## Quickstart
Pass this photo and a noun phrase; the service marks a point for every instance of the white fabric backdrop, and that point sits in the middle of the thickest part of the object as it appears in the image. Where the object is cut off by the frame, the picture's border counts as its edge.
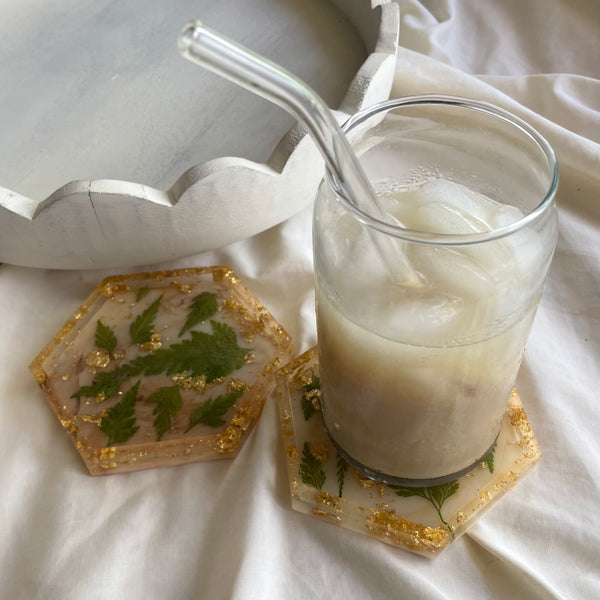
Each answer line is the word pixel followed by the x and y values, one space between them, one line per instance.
pixel 226 529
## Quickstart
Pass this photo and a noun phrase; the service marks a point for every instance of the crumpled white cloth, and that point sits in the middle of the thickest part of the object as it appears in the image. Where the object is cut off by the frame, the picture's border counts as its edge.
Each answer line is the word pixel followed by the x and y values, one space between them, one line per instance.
pixel 226 529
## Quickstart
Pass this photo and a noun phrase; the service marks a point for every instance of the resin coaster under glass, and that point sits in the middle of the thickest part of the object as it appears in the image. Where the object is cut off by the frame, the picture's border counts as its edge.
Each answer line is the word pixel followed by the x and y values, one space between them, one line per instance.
pixel 422 520
pixel 162 368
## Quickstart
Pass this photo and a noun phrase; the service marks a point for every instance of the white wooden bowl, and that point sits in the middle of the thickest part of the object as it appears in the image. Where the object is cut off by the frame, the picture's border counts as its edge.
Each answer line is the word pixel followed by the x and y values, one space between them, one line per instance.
pixel 100 222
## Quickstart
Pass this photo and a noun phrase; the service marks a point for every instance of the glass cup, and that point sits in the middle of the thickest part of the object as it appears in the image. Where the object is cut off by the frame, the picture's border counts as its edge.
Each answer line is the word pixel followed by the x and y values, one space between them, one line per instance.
pixel 423 313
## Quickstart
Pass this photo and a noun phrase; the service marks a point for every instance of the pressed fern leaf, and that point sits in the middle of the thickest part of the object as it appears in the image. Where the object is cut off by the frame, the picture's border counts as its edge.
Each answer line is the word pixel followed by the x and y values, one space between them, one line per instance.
pixel 489 459
pixel 105 338
pixel 168 404
pixel 202 307
pixel 106 384
pixel 435 494
pixel 312 391
pixel 311 470
pixel 341 468
pixel 211 411
pixel 119 424
pixel 142 328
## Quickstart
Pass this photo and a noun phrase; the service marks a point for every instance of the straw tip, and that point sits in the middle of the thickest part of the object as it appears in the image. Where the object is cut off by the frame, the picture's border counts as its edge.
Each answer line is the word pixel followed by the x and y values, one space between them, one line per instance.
pixel 188 35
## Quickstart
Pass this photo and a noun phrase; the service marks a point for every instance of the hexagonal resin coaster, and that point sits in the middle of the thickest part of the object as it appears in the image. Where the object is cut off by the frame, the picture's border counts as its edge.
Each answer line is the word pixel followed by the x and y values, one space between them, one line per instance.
pixel 422 520
pixel 162 368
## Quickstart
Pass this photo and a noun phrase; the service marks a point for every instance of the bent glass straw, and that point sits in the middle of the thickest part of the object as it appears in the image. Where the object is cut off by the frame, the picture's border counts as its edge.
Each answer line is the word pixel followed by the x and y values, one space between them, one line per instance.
pixel 255 73
pixel 240 65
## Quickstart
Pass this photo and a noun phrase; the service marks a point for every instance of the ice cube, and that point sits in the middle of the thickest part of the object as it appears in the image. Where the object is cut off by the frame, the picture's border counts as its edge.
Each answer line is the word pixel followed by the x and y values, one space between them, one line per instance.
pixel 477 209
pixel 418 317
pixel 451 270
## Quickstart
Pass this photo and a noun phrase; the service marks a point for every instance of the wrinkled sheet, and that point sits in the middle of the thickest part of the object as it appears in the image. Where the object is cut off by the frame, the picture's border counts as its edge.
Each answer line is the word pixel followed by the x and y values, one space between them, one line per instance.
pixel 226 529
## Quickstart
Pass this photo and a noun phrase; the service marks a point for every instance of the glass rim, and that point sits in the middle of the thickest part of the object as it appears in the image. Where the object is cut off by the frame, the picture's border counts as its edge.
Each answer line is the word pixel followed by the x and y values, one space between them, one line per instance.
pixel 428 237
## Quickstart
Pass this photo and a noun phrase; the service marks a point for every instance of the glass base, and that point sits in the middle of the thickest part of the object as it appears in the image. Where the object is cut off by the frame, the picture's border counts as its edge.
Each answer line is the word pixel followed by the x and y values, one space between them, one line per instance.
pixel 403 481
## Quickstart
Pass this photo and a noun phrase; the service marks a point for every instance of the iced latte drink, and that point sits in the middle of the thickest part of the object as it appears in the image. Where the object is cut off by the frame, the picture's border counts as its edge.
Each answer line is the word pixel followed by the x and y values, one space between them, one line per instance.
pixel 423 316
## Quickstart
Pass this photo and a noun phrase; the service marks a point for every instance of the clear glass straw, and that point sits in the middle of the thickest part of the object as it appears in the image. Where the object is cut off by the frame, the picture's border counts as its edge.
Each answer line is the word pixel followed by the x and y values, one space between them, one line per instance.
pixel 255 73
pixel 213 51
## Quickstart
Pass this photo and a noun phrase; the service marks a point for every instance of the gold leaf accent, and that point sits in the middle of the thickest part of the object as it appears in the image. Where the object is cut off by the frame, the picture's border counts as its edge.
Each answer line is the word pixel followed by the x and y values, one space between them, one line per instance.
pixel 184 288
pixel 328 500
pixel 326 516
pixel 320 452
pixel 97 359
pixel 111 288
pixel 236 385
pixel 385 523
pixel 185 382
pixel 154 344
pixel 292 453
pixel 228 441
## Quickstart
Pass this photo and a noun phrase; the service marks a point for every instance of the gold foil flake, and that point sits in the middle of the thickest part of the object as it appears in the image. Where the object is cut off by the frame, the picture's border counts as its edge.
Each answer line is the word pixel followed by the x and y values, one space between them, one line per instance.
pixel 460 516
pixel 66 377
pixel 228 441
pixel 530 454
pixel 154 344
pixel 184 288
pixel 320 452
pixel 314 397
pixel 249 325
pixel 328 500
pixel 112 288
pixel 237 385
pixel 242 419
pixel 101 397
pixel 292 453
pixel 506 483
pixel 419 537
pixel 249 358
pixel 326 516
pixel 221 273
pixel 96 418
pixel 186 382
pixel 236 308
pixel 97 359
pixel 69 424
pixel 40 376
pixel 108 453
pixel 518 418
pixel 363 481
pixel 249 332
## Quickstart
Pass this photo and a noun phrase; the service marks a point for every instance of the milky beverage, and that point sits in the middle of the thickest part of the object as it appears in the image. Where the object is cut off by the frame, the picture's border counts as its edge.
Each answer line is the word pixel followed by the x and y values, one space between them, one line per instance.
pixel 417 370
